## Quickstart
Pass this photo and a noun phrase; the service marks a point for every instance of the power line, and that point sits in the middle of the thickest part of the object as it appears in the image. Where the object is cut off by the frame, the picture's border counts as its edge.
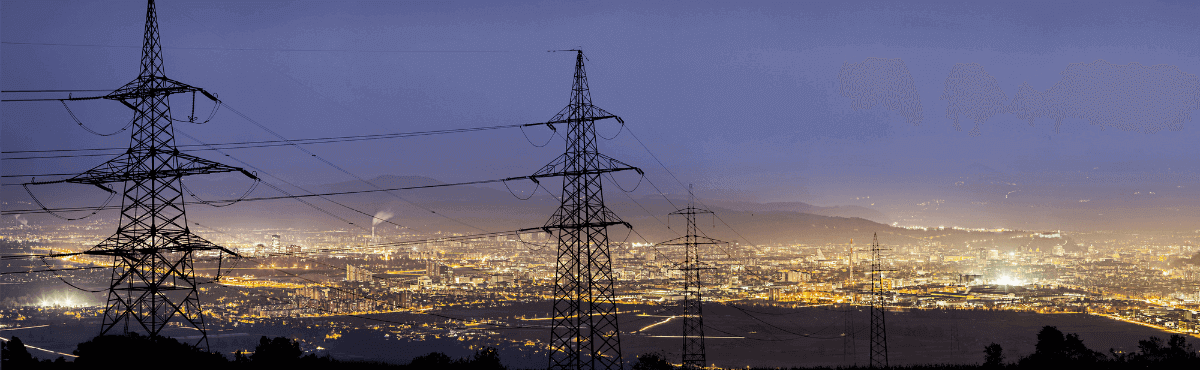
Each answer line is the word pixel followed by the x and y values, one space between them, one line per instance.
pixel 423 241
pixel 268 143
pixel 45 91
pixel 39 175
pixel 806 335
pixel 287 196
pixel 664 167
pixel 343 170
pixel 271 49
pixel 51 270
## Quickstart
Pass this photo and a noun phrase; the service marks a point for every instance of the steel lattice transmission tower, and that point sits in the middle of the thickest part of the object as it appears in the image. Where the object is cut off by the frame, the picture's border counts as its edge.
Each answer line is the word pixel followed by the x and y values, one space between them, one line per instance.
pixel 153 280
pixel 848 337
pixel 879 352
pixel 584 332
pixel 692 303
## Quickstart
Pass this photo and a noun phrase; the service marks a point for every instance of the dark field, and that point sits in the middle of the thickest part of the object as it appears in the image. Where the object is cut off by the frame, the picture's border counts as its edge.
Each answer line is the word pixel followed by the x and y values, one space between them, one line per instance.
pixel 917 337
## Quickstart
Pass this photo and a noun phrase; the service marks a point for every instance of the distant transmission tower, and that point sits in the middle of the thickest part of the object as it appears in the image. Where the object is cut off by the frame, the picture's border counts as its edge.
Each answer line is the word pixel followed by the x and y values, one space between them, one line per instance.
pixel 692 304
pixel 153 281
pixel 848 338
pixel 584 331
pixel 879 353
pixel 849 352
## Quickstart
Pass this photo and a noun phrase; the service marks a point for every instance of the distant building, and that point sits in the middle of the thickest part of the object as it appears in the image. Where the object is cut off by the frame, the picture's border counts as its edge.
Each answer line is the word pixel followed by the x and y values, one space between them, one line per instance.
pixel 774 293
pixel 358 274
pixel 434 268
pixel 796 276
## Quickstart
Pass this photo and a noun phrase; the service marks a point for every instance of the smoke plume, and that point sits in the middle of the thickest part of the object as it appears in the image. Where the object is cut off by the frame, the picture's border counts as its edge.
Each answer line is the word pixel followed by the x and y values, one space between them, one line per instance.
pixel 381 217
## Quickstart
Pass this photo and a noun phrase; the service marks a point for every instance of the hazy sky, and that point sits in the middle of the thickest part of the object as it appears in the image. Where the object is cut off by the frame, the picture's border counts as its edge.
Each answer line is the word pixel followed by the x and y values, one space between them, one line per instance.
pixel 743 99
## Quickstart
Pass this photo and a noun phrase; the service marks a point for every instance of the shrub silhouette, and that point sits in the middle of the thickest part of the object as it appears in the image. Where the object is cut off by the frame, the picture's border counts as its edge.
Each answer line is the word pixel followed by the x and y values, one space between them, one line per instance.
pixel 276 351
pixel 993 356
pixel 1054 349
pixel 652 361
pixel 14 355
pixel 106 351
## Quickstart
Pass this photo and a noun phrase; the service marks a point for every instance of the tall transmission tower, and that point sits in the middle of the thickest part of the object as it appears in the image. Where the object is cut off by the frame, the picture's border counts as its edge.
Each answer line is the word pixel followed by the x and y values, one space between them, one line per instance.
pixel 692 303
pixel 584 332
pixel 879 353
pixel 849 350
pixel 153 279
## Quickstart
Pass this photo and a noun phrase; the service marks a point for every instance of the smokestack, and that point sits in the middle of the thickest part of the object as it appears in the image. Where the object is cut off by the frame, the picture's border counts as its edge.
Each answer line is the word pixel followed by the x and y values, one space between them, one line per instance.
pixel 380 216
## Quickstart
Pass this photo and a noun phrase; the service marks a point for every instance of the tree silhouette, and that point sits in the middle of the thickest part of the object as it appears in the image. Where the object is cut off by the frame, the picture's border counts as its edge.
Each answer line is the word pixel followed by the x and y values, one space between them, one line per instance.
pixel 652 361
pixel 993 356
pixel 1054 349
pixel 14 355
pixel 1153 353
pixel 276 351
pixel 110 351
pixel 432 360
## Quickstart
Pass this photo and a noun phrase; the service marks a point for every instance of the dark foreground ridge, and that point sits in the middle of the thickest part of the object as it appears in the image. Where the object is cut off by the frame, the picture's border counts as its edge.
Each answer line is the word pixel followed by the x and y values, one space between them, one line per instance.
pixel 1053 350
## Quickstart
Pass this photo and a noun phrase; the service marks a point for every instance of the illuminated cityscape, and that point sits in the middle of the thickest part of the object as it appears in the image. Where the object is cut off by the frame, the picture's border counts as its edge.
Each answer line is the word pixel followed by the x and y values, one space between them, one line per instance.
pixel 339 273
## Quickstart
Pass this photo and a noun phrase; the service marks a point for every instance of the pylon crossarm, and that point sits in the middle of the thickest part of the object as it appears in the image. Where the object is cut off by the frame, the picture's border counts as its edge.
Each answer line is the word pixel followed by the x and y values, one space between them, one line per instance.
pixel 125 168
pixel 557 119
pixel 587 224
pixel 588 112
pixel 584 172
pixel 113 246
pixel 143 87
pixel 592 118
pixel 690 211
pixel 204 166
pixel 138 89
pixel 555 167
pixel 680 241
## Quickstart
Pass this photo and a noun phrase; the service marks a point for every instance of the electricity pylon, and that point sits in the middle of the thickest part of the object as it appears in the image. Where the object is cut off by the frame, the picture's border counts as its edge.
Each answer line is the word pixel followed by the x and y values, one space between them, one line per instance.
pixel 848 333
pixel 584 332
pixel 879 353
pixel 153 280
pixel 849 354
pixel 692 303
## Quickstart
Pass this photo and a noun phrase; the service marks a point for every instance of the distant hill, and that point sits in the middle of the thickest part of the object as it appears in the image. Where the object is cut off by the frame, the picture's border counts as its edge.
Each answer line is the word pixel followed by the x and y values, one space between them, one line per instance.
pixel 471 209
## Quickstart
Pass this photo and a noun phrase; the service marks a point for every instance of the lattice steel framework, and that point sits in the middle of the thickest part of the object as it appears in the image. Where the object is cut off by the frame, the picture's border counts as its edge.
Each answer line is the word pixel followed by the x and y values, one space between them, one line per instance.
pixel 153 280
pixel 584 333
pixel 849 352
pixel 691 306
pixel 849 347
pixel 879 352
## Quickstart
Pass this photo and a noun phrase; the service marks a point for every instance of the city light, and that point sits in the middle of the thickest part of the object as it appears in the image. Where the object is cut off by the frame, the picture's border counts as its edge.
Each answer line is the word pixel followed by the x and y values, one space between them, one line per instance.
pixel 61 299
pixel 1009 280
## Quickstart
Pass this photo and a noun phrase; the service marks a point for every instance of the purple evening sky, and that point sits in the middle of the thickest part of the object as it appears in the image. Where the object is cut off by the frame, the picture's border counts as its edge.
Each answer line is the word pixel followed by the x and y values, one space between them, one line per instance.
pixel 743 99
